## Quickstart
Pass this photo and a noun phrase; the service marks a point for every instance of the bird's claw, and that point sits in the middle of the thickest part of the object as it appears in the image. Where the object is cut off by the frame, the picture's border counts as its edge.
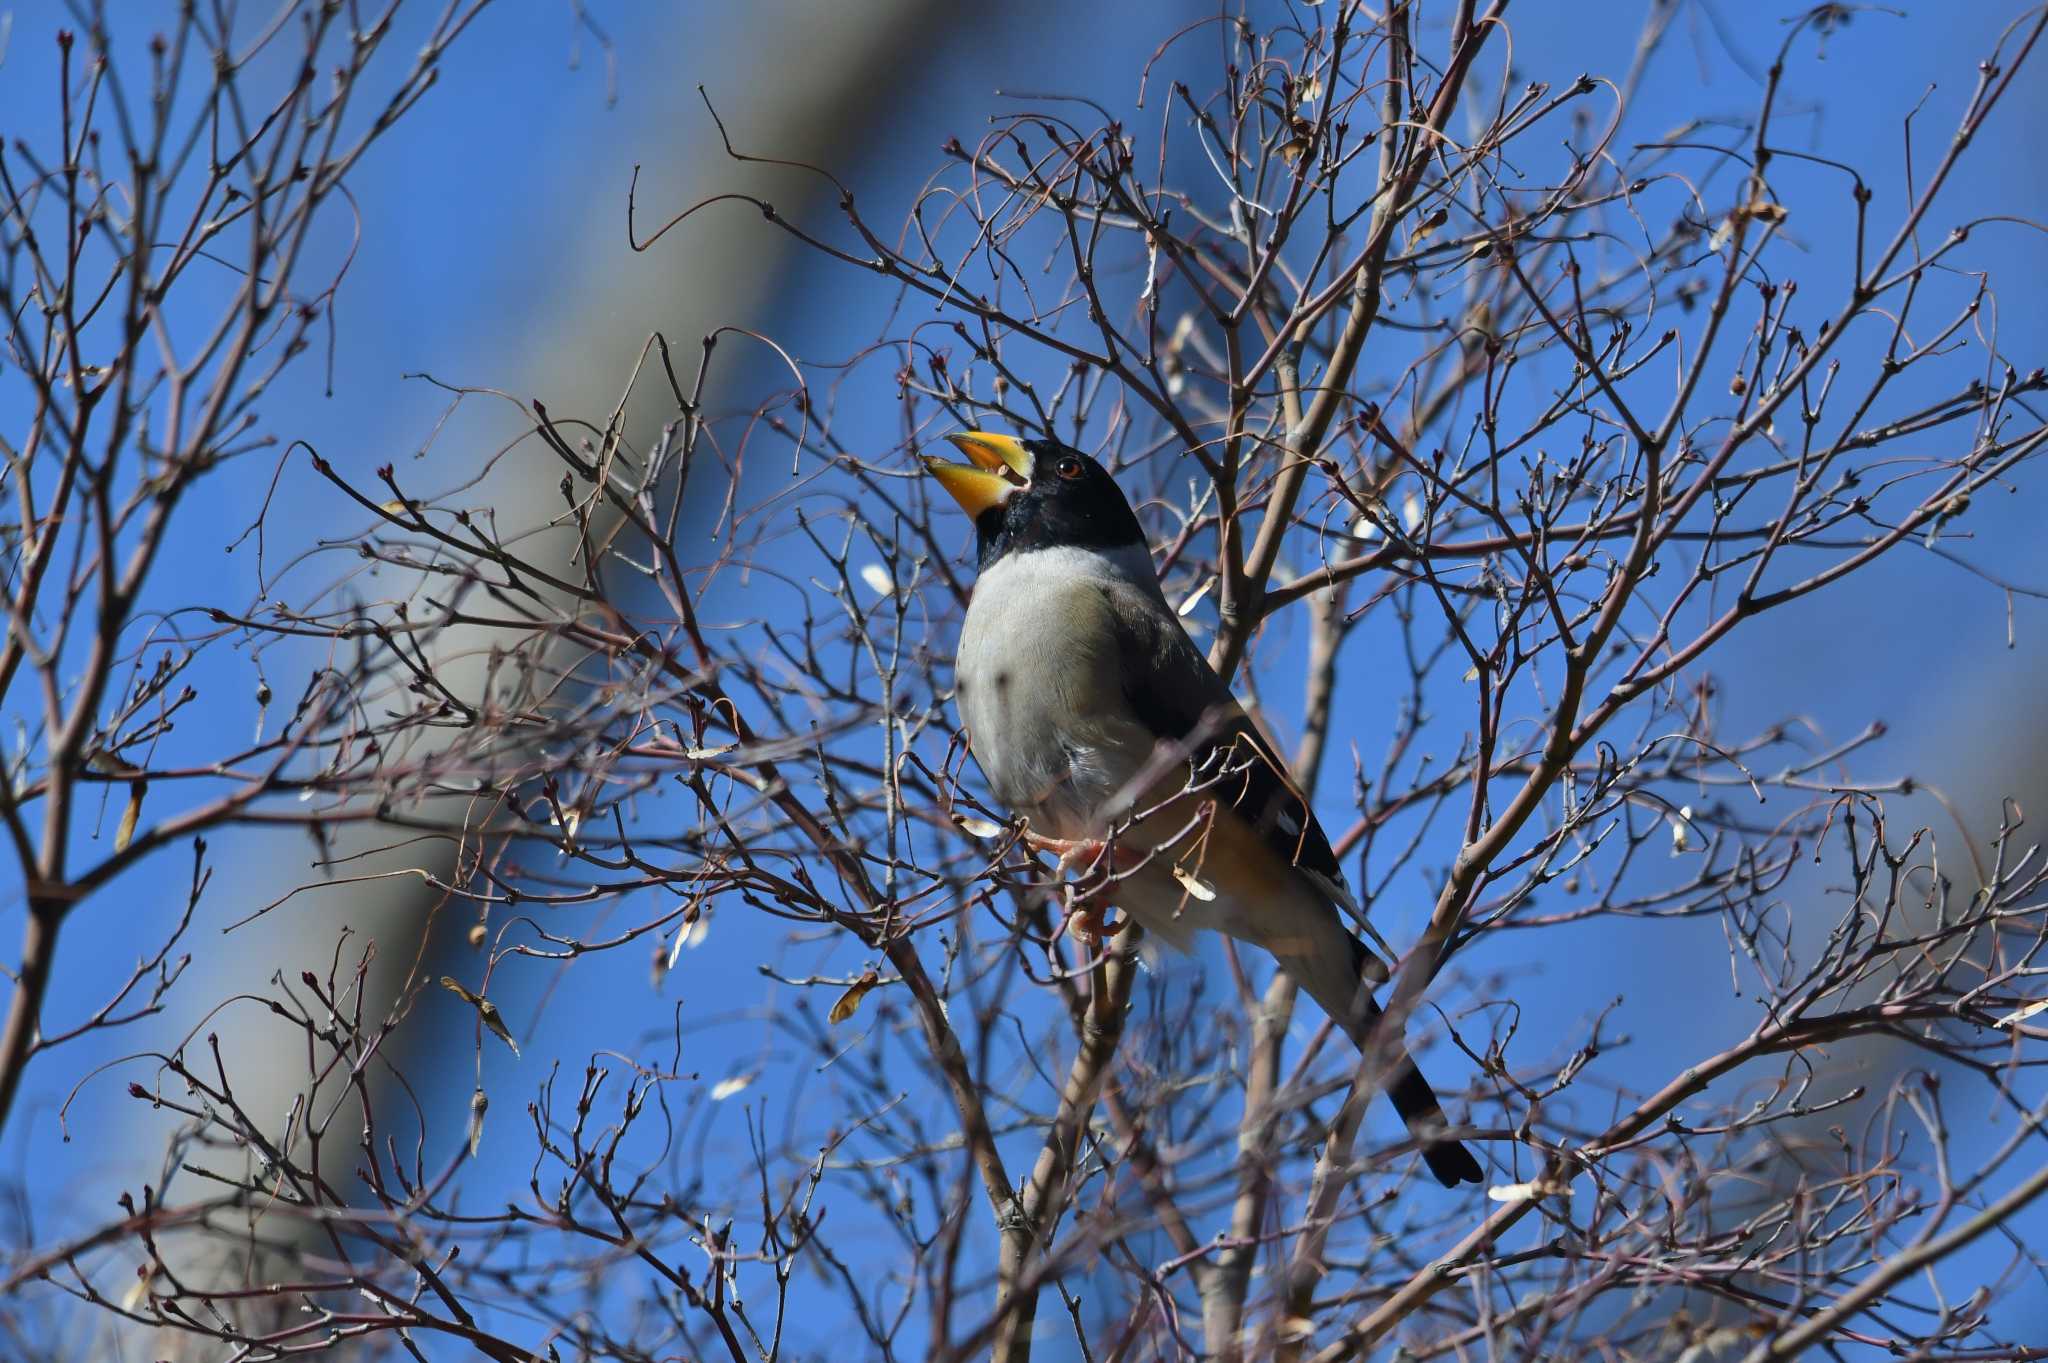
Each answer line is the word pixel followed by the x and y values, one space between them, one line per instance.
pixel 1085 920
pixel 1072 852
pixel 1085 909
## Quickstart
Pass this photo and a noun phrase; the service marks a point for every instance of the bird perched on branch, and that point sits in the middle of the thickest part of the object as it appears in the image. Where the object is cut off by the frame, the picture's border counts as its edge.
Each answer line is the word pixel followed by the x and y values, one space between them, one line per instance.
pixel 1096 718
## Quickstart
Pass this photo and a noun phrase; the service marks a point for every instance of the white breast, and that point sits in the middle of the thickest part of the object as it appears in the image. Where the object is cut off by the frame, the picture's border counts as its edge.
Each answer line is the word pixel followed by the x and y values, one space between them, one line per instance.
pixel 1040 686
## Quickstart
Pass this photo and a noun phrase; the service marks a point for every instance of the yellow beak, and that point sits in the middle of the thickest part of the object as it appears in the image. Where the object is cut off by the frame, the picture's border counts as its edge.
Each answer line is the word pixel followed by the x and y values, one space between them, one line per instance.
pixel 1000 466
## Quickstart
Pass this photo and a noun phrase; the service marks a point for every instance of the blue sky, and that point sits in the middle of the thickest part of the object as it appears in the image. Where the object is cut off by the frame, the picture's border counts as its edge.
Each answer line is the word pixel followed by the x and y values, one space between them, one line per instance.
pixel 494 253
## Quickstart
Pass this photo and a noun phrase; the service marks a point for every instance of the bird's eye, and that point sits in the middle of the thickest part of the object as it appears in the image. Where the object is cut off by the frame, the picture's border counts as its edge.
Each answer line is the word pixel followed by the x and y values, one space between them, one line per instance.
pixel 1069 467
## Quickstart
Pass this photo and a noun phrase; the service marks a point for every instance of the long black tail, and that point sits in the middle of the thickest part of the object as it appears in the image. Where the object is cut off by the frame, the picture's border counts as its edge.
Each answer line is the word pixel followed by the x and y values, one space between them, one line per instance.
pixel 1416 1101
pixel 1345 993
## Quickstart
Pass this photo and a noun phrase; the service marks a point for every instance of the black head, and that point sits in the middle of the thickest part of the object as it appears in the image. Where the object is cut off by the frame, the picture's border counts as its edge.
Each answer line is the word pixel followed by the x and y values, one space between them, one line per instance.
pixel 1036 494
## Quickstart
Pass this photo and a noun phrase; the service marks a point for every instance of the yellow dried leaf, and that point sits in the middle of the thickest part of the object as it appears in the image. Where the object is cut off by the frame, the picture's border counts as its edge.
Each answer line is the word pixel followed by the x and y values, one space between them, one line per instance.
pixel 1436 219
pixel 124 833
pixel 849 1002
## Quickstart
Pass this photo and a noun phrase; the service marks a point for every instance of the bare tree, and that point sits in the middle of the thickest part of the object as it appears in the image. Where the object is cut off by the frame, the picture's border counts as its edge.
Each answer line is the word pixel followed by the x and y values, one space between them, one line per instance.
pixel 1452 407
pixel 157 273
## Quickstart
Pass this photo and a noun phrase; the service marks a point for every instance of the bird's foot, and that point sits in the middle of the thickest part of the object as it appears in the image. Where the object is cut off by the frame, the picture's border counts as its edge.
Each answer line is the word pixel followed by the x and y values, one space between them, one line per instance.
pixel 1085 919
pixel 1072 852
pixel 1085 908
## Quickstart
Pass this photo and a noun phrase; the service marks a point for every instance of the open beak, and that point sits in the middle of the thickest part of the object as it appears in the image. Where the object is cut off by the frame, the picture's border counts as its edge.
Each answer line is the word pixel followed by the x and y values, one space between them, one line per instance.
pixel 1000 466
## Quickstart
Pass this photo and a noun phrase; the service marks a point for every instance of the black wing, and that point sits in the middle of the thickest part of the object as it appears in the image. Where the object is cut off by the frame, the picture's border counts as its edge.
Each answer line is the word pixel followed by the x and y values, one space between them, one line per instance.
pixel 1172 691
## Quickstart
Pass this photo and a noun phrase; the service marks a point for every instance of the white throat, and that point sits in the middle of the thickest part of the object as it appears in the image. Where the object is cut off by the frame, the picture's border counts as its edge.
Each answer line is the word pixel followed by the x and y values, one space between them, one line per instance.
pixel 1019 568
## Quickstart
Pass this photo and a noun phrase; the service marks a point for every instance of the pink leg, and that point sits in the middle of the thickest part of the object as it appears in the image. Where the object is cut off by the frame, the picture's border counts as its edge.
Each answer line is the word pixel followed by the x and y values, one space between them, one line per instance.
pixel 1085 908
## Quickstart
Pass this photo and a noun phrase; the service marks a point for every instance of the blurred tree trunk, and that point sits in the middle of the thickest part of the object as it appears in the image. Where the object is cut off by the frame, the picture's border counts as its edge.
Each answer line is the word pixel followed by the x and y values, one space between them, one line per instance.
pixel 826 98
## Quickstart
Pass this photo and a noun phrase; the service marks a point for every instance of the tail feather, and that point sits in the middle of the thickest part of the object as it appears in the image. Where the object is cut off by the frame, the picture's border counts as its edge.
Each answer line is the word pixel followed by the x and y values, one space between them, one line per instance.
pixel 1416 1101
pixel 1345 993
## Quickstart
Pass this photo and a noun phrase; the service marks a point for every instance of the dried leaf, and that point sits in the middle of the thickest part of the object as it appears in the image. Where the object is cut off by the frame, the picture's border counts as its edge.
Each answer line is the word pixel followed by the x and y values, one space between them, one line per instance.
pixel 878 579
pixel 706 754
pixel 1423 229
pixel 110 765
pixel 1763 210
pixel 849 1002
pixel 977 828
pixel 1681 824
pixel 478 1104
pixel 1195 597
pixel 1411 512
pixel 727 1087
pixel 2022 1014
pixel 125 832
pixel 1293 149
pixel 1196 887
pixel 1523 1192
pixel 486 1010
pixel 145 1274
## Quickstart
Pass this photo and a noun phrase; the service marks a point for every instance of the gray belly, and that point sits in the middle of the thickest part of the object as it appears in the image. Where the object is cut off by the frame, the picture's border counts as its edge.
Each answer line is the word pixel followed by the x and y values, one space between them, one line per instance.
pixel 1039 691
pixel 1030 741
